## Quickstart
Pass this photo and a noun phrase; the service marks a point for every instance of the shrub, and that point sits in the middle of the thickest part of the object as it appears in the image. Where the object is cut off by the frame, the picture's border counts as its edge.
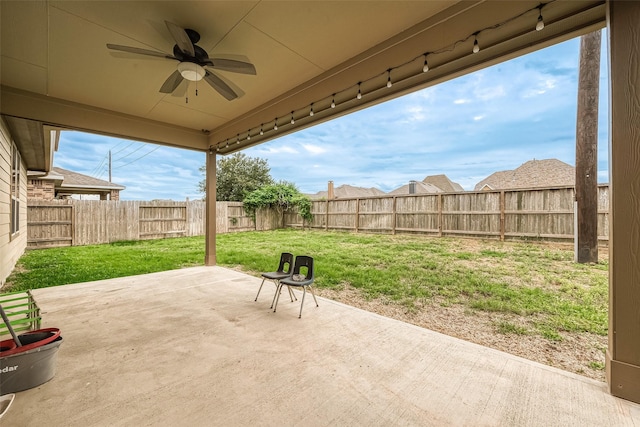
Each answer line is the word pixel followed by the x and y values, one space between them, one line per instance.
pixel 282 196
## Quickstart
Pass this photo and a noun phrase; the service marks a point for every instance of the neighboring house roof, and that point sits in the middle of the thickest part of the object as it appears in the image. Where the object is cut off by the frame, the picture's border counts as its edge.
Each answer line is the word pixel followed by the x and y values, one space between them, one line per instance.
pixel 421 188
pixel 495 181
pixel 534 173
pixel 77 180
pixel 443 183
pixel 348 192
pixel 66 180
pixel 431 184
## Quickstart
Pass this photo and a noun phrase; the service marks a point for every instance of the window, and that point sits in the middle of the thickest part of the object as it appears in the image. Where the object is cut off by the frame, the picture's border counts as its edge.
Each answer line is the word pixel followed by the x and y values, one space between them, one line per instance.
pixel 15 190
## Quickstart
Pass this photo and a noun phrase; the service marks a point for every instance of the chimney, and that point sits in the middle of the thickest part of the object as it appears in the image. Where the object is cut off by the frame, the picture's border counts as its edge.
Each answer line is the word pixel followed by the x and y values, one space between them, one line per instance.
pixel 330 195
pixel 412 187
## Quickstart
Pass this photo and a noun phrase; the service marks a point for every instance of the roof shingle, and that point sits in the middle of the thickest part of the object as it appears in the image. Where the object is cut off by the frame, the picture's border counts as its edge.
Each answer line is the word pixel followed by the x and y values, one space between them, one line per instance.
pixel 73 180
pixel 534 173
pixel 348 192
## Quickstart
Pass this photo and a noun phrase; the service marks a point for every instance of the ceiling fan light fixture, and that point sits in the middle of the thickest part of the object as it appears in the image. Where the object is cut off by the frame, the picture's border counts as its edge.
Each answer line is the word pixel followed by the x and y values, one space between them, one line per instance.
pixel 191 71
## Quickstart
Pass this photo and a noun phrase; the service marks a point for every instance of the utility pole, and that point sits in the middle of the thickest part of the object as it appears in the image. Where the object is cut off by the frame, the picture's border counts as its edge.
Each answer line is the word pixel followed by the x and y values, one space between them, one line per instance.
pixel 586 234
pixel 109 165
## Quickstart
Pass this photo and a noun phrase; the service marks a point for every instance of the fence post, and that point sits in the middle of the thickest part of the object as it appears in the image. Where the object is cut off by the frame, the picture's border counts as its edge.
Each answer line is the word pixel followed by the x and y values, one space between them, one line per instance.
pixel 502 216
pixel 73 225
pixel 440 215
pixel 326 214
pixel 357 222
pixel 394 220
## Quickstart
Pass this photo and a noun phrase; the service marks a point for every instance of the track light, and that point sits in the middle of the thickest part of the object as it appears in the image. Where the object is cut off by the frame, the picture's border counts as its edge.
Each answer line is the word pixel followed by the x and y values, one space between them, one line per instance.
pixel 359 95
pixel 311 110
pixel 249 134
pixel 292 120
pixel 425 67
pixel 389 84
pixel 275 124
pixel 333 101
pixel 261 131
pixel 476 47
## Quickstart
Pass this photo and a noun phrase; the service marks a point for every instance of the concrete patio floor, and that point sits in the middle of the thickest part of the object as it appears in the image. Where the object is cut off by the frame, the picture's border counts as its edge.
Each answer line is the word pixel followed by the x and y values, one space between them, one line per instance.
pixel 191 348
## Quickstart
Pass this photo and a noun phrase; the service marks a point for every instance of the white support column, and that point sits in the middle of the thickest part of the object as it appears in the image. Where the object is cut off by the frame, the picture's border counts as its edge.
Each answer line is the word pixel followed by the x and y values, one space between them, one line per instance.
pixel 623 353
pixel 210 224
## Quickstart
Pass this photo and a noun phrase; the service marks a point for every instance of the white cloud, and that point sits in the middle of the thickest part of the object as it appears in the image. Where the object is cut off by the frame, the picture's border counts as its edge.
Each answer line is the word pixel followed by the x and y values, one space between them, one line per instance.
pixel 314 149
pixel 490 92
pixel 414 113
pixel 283 149
pixel 542 86
pixel 183 173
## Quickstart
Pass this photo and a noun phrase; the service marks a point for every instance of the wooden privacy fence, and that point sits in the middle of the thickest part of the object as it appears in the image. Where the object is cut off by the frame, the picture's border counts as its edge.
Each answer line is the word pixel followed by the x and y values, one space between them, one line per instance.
pixel 54 223
pixel 541 214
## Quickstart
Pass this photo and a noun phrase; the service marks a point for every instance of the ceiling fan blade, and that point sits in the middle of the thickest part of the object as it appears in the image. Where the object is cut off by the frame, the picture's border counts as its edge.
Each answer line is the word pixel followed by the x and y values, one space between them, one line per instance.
pixel 232 65
pixel 172 82
pixel 222 88
pixel 182 39
pixel 138 51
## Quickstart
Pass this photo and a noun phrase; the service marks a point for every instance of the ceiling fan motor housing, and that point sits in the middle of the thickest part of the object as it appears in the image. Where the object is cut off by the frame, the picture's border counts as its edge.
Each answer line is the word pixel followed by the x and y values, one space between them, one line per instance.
pixel 201 56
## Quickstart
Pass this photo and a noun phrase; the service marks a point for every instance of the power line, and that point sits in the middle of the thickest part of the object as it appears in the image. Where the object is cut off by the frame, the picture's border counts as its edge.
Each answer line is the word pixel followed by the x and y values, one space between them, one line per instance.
pixel 130 153
pixel 118 144
pixel 124 147
pixel 133 161
pixel 97 168
pixel 101 172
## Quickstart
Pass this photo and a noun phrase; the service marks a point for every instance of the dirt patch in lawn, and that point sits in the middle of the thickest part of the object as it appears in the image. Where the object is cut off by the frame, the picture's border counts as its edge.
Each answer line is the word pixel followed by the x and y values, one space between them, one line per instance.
pixel 582 353
pixel 579 352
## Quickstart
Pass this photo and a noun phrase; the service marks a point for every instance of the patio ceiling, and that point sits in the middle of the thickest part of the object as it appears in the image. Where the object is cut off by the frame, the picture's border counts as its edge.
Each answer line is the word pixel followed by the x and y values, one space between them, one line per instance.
pixel 57 71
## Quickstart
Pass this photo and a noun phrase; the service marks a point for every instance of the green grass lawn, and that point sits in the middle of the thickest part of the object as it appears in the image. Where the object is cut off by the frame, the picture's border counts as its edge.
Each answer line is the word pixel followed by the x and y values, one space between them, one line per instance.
pixel 538 282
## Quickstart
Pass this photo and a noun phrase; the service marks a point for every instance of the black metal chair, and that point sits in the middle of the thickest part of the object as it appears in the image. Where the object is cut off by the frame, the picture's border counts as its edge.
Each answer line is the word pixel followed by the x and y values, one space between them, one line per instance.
pixel 284 270
pixel 298 279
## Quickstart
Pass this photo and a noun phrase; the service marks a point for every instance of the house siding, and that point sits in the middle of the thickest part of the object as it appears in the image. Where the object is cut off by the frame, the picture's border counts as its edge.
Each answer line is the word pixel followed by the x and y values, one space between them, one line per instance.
pixel 11 247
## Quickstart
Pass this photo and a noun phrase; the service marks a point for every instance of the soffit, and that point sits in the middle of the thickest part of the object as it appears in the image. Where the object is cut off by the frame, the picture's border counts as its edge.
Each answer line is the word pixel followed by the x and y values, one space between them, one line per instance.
pixel 32 142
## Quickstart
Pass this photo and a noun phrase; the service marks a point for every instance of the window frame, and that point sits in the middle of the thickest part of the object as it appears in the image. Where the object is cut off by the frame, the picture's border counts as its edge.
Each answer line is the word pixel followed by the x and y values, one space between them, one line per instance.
pixel 14 191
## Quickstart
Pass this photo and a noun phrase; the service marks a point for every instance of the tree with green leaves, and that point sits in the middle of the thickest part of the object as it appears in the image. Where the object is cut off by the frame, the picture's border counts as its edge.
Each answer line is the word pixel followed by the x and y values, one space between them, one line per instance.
pixel 237 176
pixel 281 196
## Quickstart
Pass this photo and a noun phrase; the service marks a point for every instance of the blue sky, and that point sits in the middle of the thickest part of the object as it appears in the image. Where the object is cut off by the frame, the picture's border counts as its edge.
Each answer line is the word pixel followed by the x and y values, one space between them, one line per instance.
pixel 494 119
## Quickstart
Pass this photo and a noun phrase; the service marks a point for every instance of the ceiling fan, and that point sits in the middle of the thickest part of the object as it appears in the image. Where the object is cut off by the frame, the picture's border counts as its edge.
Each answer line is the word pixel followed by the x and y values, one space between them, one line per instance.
pixel 192 60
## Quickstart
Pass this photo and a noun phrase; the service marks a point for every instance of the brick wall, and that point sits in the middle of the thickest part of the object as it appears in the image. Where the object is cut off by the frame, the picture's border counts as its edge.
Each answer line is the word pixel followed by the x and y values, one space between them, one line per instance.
pixel 40 189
